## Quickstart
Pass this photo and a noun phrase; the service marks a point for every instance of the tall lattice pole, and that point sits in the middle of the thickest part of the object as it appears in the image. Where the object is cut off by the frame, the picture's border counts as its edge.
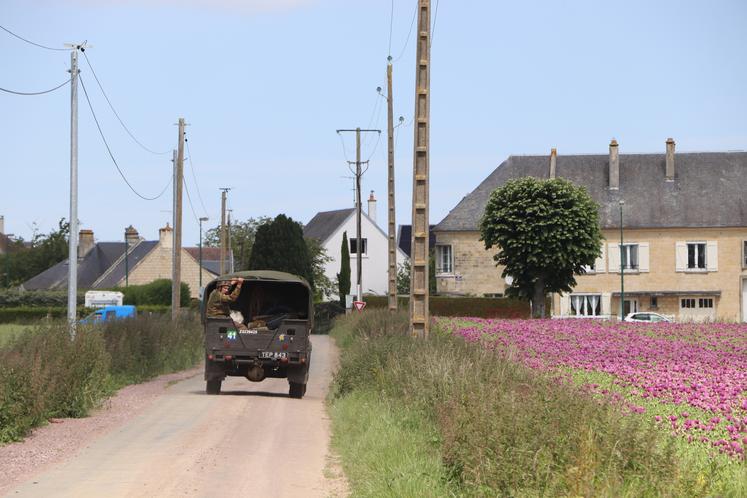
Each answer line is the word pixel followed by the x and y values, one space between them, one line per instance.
pixel 419 313
pixel 392 217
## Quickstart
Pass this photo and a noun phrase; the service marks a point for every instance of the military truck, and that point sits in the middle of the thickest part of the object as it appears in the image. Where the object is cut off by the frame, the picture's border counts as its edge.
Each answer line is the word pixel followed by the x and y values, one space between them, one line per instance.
pixel 266 333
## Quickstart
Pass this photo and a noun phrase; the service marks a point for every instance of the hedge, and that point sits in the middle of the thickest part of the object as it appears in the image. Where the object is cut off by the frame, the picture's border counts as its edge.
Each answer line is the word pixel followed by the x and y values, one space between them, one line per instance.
pixel 13 298
pixel 483 307
pixel 27 314
pixel 157 292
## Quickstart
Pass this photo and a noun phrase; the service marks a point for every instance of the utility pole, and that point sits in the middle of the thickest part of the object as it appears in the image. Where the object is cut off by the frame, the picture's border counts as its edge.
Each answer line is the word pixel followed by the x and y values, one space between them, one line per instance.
pixel 419 291
pixel 176 280
pixel 390 180
pixel 204 218
pixel 224 192
pixel 72 274
pixel 359 236
pixel 228 245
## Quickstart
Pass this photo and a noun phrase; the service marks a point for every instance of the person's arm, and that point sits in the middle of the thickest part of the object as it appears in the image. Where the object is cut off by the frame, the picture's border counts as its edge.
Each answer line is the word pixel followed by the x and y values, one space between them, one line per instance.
pixel 236 291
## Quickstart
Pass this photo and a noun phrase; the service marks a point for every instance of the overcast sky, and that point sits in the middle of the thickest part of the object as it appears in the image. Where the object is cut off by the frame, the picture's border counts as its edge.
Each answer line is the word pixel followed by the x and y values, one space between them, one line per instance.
pixel 264 84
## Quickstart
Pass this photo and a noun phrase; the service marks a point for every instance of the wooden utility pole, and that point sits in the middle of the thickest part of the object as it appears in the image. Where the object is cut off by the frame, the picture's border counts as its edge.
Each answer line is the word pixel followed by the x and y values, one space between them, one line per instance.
pixel 224 192
pixel 228 244
pixel 176 278
pixel 392 217
pixel 419 292
pixel 359 237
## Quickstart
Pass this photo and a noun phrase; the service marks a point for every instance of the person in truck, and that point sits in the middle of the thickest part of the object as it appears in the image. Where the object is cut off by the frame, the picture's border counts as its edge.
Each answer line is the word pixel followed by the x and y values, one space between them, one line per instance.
pixel 220 299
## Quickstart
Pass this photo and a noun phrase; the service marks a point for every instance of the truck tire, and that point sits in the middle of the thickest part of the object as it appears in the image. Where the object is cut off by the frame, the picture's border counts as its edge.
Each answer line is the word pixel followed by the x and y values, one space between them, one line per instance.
pixel 296 390
pixel 213 386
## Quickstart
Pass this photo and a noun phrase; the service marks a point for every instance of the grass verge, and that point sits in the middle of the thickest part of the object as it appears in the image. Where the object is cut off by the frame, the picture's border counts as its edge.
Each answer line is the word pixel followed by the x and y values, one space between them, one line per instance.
pixel 493 426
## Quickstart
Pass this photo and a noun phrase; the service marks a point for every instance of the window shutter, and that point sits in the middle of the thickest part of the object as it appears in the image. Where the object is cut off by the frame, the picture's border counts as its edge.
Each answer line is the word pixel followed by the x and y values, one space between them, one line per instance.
pixel 614 258
pixel 643 257
pixel 601 261
pixel 712 255
pixel 680 256
pixel 606 303
pixel 565 305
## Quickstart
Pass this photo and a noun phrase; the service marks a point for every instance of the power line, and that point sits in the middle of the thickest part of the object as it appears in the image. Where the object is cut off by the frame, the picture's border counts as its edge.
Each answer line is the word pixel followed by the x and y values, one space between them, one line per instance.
pixel 98 82
pixel 30 42
pixel 108 149
pixel 435 18
pixel 35 93
pixel 189 198
pixel 409 34
pixel 194 178
pixel 391 27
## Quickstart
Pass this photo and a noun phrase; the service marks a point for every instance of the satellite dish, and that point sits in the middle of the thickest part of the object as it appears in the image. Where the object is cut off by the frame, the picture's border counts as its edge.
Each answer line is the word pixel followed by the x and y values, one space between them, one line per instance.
pixel 509 280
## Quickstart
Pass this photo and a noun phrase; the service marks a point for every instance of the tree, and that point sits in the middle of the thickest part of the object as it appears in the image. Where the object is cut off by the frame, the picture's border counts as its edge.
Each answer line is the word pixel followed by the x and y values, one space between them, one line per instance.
pixel 25 261
pixel 546 231
pixel 319 259
pixel 279 245
pixel 343 278
pixel 404 272
pixel 243 234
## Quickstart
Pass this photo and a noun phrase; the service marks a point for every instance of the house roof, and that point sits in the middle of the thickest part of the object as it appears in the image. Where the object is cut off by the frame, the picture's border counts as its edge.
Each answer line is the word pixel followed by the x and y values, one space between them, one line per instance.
pixel 90 268
pixel 404 238
pixel 708 190
pixel 324 224
pixel 115 272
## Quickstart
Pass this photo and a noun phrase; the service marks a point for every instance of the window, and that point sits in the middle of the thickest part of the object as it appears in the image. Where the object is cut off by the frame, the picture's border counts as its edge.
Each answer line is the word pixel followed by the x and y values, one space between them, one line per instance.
pixel 354 246
pixel 744 254
pixel 586 305
pixel 444 260
pixel 696 256
pixel 688 303
pixel 629 256
pixel 705 302
pixel 654 302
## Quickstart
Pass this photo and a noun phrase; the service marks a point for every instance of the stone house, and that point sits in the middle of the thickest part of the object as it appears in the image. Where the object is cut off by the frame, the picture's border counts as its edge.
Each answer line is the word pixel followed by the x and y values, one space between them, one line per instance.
pixel 328 226
pixel 102 265
pixel 684 250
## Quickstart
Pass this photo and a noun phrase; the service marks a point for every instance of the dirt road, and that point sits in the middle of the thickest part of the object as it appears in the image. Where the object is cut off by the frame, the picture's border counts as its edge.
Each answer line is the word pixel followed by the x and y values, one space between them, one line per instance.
pixel 252 440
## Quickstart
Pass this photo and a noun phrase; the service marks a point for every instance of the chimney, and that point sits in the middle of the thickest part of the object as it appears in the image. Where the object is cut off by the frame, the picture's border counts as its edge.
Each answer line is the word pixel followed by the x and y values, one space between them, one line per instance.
pixel 614 166
pixel 85 242
pixel 131 236
pixel 670 159
pixel 166 237
pixel 553 162
pixel 372 207
pixel 2 225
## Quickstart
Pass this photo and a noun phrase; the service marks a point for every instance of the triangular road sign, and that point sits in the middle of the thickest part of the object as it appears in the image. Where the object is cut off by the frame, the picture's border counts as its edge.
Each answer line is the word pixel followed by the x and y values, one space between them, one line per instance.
pixel 359 305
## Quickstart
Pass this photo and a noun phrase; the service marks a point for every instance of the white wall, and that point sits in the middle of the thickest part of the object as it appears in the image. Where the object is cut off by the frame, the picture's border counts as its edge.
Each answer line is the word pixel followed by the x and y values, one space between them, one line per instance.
pixel 375 262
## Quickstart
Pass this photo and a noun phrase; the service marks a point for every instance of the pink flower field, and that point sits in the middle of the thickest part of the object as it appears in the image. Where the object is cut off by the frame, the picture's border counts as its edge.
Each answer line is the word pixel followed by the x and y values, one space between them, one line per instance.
pixel 691 379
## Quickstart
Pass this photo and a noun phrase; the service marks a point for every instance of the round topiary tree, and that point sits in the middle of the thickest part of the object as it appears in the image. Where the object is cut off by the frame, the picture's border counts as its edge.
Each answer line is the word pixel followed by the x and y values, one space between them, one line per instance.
pixel 546 231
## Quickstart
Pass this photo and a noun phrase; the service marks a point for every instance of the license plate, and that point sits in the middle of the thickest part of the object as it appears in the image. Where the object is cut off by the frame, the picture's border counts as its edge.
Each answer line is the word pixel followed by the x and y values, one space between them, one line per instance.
pixel 272 355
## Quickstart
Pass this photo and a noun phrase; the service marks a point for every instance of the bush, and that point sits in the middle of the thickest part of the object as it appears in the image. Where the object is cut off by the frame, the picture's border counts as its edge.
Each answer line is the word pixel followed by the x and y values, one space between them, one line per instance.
pixel 35 314
pixel 481 307
pixel 43 374
pixel 13 298
pixel 157 292
pixel 504 429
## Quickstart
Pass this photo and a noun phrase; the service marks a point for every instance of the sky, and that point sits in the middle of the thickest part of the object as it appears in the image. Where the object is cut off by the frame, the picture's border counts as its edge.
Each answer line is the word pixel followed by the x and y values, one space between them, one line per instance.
pixel 264 84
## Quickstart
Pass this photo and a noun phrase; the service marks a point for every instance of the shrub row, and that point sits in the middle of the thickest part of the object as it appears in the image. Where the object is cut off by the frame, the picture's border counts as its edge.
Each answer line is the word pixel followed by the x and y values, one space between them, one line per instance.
pixel 157 292
pixel 506 430
pixel 43 374
pixel 13 298
pixel 482 307
pixel 32 315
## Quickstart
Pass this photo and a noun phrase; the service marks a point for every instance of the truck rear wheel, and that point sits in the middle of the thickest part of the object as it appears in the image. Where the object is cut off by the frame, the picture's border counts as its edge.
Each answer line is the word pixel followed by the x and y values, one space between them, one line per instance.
pixel 296 390
pixel 213 386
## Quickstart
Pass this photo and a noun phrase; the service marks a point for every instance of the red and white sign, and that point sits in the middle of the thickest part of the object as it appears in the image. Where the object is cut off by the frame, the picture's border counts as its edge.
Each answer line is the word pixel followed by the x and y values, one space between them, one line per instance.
pixel 359 305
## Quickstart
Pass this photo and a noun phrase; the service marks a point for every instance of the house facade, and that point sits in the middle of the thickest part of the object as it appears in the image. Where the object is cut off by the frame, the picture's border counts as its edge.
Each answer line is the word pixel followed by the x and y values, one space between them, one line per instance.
pixel 103 265
pixel 329 226
pixel 684 234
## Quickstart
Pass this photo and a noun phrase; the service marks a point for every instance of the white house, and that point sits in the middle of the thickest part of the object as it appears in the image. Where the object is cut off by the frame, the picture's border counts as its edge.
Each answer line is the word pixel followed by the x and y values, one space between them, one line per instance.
pixel 328 227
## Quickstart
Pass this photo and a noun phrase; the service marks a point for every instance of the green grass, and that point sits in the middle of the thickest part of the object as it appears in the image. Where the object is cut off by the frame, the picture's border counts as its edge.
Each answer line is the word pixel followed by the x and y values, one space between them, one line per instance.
pixel 9 332
pixel 387 450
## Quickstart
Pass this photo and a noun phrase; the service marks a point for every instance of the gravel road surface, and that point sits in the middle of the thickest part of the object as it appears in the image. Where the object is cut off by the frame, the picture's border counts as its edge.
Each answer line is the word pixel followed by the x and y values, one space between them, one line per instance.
pixel 252 440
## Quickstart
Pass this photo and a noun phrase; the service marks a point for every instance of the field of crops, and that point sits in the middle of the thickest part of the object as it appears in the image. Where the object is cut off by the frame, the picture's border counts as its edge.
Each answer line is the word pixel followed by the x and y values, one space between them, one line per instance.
pixel 689 379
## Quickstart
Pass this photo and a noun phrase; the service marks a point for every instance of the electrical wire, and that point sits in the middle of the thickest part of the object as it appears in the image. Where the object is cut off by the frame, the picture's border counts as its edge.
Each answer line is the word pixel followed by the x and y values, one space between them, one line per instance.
pixel 111 106
pixel 391 27
pixel 108 149
pixel 32 43
pixel 194 177
pixel 189 198
pixel 435 18
pixel 409 34
pixel 376 146
pixel 36 93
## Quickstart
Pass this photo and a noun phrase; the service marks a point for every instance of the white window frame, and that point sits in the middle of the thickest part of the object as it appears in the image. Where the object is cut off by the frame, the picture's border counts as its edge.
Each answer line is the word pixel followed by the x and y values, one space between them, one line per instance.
pixel 744 254
pixel 697 244
pixel 588 302
pixel 625 249
pixel 442 269
pixel 364 243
